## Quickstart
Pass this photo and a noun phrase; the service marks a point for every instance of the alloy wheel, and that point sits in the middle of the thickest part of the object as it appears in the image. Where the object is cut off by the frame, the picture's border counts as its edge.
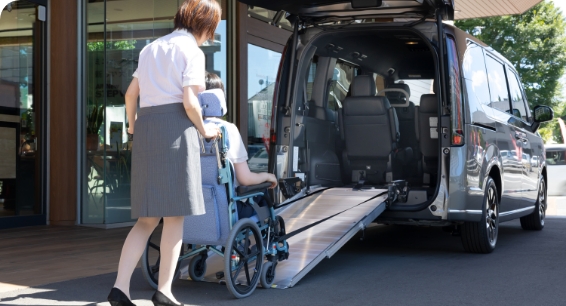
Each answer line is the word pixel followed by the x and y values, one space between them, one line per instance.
pixel 491 216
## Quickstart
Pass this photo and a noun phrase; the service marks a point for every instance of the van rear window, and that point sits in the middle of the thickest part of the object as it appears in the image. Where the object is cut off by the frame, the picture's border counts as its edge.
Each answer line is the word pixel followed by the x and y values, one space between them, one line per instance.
pixel 555 157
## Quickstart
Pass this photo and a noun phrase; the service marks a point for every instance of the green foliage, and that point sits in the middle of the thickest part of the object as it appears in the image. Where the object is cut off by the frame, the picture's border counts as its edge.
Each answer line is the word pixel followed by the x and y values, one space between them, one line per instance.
pixel 535 43
pixel 94 119
pixel 117 45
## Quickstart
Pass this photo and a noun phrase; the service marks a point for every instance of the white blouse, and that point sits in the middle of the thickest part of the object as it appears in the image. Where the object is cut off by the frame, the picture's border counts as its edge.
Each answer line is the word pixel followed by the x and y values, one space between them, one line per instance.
pixel 166 66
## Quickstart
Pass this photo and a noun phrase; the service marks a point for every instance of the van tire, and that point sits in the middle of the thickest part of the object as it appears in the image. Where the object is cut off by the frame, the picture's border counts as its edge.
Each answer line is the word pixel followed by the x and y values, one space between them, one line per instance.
pixel 481 237
pixel 535 221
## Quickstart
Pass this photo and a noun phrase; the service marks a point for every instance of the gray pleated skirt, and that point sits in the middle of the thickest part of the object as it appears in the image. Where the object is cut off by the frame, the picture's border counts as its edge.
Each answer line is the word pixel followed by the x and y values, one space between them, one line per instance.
pixel 166 179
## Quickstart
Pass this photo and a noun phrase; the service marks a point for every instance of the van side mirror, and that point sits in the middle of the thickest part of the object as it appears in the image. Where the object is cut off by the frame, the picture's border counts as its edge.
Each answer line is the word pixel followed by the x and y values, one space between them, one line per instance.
pixel 516 113
pixel 543 113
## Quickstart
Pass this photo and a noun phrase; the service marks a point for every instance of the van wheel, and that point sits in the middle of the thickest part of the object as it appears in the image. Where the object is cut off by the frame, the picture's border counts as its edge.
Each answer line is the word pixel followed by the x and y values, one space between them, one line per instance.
pixel 481 237
pixel 535 221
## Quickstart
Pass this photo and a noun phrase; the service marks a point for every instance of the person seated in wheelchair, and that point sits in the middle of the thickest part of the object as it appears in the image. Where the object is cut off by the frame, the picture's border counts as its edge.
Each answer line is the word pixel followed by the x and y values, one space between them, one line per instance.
pixel 237 153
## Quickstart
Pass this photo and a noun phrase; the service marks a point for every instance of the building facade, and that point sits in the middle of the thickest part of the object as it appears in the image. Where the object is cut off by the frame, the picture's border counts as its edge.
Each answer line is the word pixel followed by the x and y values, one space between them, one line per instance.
pixel 65 66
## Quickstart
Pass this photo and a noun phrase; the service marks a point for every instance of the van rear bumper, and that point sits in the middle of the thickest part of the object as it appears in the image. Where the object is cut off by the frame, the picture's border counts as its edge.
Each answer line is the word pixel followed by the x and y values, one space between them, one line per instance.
pixel 464 215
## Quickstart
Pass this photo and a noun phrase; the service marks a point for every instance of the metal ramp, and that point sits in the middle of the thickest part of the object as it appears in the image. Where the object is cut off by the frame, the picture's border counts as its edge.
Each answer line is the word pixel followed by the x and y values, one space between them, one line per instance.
pixel 310 247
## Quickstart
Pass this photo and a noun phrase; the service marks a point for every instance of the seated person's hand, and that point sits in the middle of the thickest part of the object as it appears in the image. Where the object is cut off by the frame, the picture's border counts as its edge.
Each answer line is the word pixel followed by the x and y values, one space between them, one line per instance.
pixel 272 179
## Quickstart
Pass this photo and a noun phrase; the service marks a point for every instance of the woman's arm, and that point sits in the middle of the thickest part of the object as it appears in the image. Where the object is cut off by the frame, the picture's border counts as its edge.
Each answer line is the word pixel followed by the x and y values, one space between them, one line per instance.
pixel 131 97
pixel 247 178
pixel 192 107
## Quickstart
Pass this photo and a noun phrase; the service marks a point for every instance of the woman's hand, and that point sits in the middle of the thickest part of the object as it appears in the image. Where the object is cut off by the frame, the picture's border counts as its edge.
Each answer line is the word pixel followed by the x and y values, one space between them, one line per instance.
pixel 211 131
pixel 131 130
pixel 272 179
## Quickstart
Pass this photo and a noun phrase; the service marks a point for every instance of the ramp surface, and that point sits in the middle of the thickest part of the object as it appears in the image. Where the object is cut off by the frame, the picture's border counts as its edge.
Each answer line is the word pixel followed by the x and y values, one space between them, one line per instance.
pixel 308 248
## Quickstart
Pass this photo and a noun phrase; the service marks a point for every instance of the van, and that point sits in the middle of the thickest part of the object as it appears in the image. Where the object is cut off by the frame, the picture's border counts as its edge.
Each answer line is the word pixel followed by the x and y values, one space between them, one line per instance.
pixel 382 94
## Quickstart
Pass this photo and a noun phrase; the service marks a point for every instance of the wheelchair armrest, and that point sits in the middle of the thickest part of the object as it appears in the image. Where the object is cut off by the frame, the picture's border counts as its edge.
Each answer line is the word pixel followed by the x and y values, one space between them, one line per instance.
pixel 242 191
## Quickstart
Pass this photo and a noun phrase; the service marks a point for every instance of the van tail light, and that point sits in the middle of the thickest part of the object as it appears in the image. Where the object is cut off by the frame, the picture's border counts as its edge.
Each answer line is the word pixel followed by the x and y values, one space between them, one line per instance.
pixel 272 130
pixel 458 137
pixel 273 137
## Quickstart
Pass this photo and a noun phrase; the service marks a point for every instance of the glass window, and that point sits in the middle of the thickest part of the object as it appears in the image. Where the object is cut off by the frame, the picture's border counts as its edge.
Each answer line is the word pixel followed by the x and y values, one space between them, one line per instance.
pixel 516 92
pixel 21 107
pixel 114 41
pixel 311 74
pixel 499 95
pixel 340 84
pixel 556 157
pixel 262 73
pixel 419 88
pixel 475 75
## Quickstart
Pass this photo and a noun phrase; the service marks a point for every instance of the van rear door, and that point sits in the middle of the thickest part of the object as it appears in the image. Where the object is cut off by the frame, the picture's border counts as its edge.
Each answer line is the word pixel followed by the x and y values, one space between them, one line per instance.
pixel 334 10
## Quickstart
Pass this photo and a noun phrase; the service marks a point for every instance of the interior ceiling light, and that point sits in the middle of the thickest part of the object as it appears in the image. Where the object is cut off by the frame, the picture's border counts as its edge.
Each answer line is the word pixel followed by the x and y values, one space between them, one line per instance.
pixel 412 43
pixel 334 48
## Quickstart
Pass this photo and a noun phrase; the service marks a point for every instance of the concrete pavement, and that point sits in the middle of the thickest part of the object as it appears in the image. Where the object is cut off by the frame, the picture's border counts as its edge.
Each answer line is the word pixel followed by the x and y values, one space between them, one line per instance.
pixel 393 265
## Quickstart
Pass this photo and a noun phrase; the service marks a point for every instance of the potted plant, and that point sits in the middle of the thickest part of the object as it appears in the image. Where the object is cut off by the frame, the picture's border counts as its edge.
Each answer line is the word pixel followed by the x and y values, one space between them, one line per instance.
pixel 94 120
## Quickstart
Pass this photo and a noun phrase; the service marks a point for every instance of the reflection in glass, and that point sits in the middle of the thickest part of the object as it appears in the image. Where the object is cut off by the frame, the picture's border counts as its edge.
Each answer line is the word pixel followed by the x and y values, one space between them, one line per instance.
pixel 20 109
pixel 262 71
pixel 497 85
pixel 116 36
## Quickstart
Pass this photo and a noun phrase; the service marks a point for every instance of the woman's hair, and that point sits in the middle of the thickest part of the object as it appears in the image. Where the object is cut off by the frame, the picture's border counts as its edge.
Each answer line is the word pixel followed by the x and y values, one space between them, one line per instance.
pixel 198 17
pixel 212 81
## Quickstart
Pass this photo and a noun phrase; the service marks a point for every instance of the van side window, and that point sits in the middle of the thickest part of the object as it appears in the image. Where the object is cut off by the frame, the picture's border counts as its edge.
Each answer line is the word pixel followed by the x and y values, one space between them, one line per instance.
pixel 340 85
pixel 311 73
pixel 517 101
pixel 497 84
pixel 475 76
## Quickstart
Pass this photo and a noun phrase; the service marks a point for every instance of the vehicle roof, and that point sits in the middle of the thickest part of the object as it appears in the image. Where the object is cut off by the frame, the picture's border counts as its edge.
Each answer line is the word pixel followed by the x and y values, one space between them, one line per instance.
pixel 555 146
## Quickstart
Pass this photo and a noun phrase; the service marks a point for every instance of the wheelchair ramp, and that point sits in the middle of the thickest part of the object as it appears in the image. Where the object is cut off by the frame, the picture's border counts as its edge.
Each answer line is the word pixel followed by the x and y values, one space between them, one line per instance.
pixel 308 248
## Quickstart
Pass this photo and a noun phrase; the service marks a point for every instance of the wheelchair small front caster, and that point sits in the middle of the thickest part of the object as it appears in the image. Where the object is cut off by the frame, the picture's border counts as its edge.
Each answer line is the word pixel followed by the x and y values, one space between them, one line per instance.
pixel 267 274
pixel 197 267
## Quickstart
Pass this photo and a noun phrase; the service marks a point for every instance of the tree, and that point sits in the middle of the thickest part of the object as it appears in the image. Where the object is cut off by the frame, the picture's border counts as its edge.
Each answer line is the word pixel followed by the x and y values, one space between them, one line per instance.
pixel 535 43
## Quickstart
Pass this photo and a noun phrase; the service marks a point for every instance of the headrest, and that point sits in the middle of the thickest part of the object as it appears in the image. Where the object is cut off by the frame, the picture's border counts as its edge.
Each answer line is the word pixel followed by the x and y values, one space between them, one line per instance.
pixel 403 86
pixel 429 104
pixel 376 106
pixel 398 94
pixel 212 102
pixel 363 86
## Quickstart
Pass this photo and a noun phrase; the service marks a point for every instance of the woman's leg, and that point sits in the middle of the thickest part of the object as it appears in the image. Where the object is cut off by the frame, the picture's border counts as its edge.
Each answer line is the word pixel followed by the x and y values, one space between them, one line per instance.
pixel 171 241
pixel 132 251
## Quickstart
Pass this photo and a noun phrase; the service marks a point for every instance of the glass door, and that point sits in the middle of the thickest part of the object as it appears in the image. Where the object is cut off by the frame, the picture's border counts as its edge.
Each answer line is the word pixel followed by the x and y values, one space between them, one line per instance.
pixel 117 31
pixel 22 56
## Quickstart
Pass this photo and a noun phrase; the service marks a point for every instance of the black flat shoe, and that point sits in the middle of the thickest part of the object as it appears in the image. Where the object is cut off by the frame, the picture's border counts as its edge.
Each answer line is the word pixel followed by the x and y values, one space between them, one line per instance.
pixel 159 299
pixel 118 298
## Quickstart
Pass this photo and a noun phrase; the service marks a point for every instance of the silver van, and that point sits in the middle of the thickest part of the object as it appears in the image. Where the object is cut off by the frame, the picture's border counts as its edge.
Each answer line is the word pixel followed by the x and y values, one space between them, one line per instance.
pixel 376 94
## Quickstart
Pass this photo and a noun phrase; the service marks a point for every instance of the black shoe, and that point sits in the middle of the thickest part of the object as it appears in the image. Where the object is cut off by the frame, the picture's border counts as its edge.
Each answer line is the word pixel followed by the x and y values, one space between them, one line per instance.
pixel 159 299
pixel 118 298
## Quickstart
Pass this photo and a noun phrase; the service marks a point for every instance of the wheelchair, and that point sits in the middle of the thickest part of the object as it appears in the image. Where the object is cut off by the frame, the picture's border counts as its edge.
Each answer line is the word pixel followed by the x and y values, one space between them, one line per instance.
pixel 250 247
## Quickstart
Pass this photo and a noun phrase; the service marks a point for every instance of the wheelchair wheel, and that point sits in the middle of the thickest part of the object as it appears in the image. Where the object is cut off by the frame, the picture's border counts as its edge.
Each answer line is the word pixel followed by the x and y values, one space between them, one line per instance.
pixel 150 261
pixel 267 274
pixel 243 258
pixel 197 268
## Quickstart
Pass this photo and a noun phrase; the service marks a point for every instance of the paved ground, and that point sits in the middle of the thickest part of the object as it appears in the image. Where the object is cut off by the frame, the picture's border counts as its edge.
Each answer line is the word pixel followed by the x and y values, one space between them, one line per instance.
pixel 394 265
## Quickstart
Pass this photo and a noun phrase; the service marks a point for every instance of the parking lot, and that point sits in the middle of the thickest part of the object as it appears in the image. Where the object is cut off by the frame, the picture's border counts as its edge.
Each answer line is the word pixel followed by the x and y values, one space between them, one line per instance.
pixel 392 265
